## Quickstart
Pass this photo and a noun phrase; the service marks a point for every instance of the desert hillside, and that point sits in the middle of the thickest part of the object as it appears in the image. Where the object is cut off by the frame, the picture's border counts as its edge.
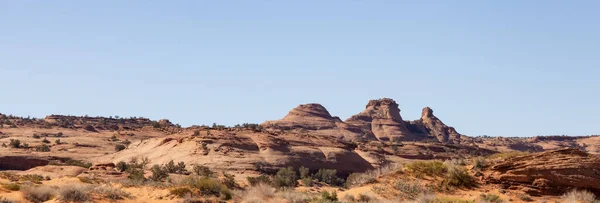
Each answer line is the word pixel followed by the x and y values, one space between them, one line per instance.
pixel 307 156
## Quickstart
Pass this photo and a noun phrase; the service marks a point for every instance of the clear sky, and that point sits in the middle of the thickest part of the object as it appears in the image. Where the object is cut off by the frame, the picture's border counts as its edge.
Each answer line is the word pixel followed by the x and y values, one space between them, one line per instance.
pixel 499 68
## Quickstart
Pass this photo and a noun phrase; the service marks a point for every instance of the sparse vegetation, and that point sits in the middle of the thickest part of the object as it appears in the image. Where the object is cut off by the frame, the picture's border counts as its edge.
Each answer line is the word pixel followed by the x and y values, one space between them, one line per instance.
pixel 579 196
pixel 525 197
pixel 15 143
pixel 38 194
pixel 75 193
pixel 12 186
pixel 329 176
pixel 42 148
pixel 458 176
pixel 490 198
pixel 46 141
pixel 158 173
pixel 258 193
pixel 430 168
pixel 285 177
pixel 202 170
pixel 111 193
pixel 410 189
pixel 329 197
pixel 479 163
pixel 262 179
pixel 119 147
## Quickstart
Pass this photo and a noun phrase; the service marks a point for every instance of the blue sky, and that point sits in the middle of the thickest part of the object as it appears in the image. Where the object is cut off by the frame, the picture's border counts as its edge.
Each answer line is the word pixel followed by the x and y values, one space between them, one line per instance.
pixel 500 68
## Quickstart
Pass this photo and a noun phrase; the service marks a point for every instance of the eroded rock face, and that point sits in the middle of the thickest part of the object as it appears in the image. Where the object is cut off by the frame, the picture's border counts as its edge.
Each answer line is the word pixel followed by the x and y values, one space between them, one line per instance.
pixel 435 127
pixel 549 173
pixel 382 118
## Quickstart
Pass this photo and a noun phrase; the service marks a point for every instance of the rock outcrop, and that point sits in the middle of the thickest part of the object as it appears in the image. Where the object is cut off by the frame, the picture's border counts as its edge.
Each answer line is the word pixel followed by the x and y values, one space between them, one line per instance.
pixel 382 118
pixel 549 173
pixel 315 119
pixel 21 162
pixel 430 125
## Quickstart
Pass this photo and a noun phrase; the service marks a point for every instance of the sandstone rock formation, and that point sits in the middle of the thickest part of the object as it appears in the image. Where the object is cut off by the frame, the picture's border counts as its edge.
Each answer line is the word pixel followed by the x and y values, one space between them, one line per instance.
pixel 432 126
pixel 315 119
pixel 382 118
pixel 549 173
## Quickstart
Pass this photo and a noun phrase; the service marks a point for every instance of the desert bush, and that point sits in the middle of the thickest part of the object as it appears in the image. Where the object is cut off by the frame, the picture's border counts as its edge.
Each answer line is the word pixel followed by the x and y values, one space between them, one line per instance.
pixel 458 176
pixel 38 194
pixel 111 193
pixel 181 191
pixel 121 166
pixel 207 186
pixel 410 189
pixel 365 197
pixel 262 179
pixel 285 177
pixel 293 196
pixel 329 176
pixel 158 173
pixel 12 186
pixel 308 181
pixel 579 196
pixel 171 167
pixel 507 155
pixel 490 198
pixel 59 134
pixel 15 143
pixel 304 172
pixel 356 179
pixel 114 138
pixel 32 178
pixel 202 171
pixel 42 148
pixel 74 193
pixel 425 198
pixel 329 197
pixel 119 147
pixel 430 168
pixel 57 141
pixel 479 163
pixel 524 197
pixel 36 136
pixel 460 162
pixel 229 180
pixel 46 141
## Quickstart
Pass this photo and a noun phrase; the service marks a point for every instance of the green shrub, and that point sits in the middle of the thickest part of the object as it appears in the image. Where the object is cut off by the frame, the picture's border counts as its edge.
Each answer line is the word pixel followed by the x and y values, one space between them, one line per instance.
pixel 285 177
pixel 308 181
pixel 329 197
pixel 229 180
pixel 524 197
pixel 202 171
pixel 329 176
pixel 491 198
pixel 46 141
pixel 121 166
pixel 119 147
pixel 304 172
pixel 57 141
pixel 12 186
pixel 459 177
pixel 262 179
pixel 170 167
pixel 430 168
pixel 15 143
pixel 180 191
pixel 42 148
pixel 158 173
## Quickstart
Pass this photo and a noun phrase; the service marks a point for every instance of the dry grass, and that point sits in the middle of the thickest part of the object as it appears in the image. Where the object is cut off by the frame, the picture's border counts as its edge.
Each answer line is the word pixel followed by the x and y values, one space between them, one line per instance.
pixel 430 168
pixel 293 196
pixel 410 189
pixel 38 194
pixel 507 155
pixel 75 193
pixel 579 196
pixel 12 186
pixel 357 179
pixel 4 200
pixel 489 198
pixel 258 193
pixel 111 193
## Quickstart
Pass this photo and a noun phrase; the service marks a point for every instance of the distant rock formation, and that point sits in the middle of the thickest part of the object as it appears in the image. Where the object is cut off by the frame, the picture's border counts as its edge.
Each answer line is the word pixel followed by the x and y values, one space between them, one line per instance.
pixel 315 118
pixel 431 125
pixel 382 118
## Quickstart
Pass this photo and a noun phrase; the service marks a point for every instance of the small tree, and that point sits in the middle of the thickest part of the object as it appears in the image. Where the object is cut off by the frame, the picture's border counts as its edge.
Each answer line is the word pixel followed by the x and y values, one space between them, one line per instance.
pixel 285 177
pixel 158 173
